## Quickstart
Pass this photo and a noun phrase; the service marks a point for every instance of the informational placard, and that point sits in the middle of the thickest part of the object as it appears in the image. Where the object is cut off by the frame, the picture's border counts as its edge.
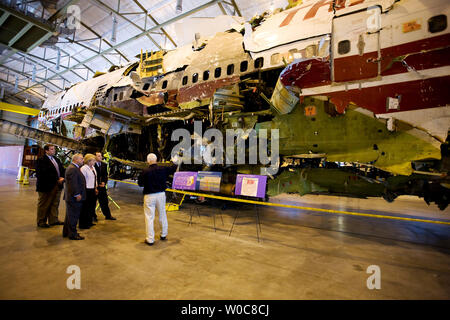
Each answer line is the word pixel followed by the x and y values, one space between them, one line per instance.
pixel 184 180
pixel 209 181
pixel 251 185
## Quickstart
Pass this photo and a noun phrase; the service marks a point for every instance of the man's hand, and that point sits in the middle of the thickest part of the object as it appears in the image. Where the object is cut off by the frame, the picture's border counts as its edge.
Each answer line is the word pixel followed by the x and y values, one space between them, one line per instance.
pixel 78 197
pixel 61 180
pixel 102 185
pixel 96 191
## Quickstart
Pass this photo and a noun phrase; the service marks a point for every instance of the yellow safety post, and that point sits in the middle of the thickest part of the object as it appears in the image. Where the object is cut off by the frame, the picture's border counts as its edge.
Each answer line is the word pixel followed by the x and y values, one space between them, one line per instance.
pixel 19 178
pixel 26 177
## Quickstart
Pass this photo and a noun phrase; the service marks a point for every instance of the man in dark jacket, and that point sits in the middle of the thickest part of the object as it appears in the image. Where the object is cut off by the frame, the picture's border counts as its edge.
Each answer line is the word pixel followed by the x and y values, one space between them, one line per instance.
pixel 50 181
pixel 102 181
pixel 154 179
pixel 74 195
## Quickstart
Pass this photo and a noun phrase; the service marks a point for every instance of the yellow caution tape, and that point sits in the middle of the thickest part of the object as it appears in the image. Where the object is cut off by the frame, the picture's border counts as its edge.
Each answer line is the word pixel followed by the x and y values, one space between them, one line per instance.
pixel 271 204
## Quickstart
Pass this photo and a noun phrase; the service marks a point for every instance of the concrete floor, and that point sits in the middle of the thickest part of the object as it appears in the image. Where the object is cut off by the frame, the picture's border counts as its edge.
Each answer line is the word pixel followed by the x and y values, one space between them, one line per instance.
pixel 301 255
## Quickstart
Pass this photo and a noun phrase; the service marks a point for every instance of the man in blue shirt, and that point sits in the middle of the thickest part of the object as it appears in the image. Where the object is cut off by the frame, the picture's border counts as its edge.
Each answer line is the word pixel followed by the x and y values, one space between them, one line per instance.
pixel 154 179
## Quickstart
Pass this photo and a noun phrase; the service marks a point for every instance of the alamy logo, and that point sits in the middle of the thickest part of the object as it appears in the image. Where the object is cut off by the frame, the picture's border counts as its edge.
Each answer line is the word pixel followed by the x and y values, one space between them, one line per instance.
pixel 209 147
pixel 374 281
pixel 73 17
pixel 74 281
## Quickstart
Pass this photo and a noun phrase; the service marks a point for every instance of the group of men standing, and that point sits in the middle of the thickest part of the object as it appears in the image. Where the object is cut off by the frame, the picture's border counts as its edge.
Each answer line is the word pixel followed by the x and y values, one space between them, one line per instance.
pixel 80 197
pixel 85 184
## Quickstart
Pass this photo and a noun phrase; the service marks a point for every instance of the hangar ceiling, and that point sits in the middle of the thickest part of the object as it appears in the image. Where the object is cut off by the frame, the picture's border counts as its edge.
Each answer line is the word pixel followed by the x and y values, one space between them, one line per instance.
pixel 49 45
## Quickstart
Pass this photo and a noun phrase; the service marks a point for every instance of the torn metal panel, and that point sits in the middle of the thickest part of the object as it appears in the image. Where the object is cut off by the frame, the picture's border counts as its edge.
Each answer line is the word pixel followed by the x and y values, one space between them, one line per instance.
pixel 352 137
pixel 436 121
pixel 206 26
pixel 283 100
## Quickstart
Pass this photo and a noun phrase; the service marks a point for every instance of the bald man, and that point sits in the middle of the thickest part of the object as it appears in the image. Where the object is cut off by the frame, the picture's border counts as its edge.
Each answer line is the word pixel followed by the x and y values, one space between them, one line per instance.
pixel 154 179
pixel 75 194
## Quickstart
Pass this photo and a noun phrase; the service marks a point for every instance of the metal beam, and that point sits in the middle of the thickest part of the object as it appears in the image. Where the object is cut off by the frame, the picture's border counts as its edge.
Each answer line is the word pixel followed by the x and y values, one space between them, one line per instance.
pixel 107 8
pixel 155 22
pixel 40 58
pixel 20 34
pixel 7 56
pixel 222 9
pixel 106 41
pixel 4 16
pixel 25 88
pixel 168 22
pixel 90 49
pixel 29 77
pixel 236 8
pixel 61 10
pixel 18 109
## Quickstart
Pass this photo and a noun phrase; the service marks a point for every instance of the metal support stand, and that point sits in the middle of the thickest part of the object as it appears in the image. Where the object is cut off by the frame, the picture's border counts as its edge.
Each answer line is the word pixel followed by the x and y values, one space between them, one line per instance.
pixel 192 212
pixel 214 218
pixel 258 222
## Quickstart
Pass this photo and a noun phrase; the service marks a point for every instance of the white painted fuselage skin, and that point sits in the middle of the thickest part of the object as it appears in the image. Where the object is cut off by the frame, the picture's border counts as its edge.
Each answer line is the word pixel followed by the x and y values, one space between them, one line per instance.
pixel 79 95
pixel 307 31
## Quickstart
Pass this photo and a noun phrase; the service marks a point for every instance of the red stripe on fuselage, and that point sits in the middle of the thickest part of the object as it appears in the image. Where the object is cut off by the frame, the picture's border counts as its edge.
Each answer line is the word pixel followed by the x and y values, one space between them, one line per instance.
pixel 414 95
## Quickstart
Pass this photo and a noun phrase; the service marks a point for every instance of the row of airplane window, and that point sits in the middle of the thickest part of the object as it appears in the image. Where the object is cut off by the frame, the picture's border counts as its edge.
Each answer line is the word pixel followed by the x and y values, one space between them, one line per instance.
pixel 259 62
pixel 61 110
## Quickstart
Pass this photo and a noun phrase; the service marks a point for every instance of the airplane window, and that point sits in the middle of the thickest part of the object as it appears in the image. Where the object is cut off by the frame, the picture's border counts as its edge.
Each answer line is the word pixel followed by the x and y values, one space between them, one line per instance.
pixel 437 23
pixel 115 97
pixel 145 87
pixel 217 72
pixel 164 85
pixel 244 66
pixel 311 51
pixel 194 77
pixel 275 59
pixel 206 75
pixel 185 80
pixel 121 96
pixel 293 54
pixel 259 62
pixel 230 69
pixel 344 47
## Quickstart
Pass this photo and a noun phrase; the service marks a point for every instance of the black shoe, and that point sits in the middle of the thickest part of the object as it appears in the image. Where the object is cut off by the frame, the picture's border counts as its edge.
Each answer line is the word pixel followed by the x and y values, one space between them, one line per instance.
pixel 94 220
pixel 58 223
pixel 65 235
pixel 43 225
pixel 77 237
pixel 163 238
pixel 91 225
pixel 84 227
pixel 149 243
pixel 110 218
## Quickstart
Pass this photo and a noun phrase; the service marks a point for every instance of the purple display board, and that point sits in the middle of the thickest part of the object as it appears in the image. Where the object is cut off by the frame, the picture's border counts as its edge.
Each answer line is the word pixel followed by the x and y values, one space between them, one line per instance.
pixel 184 180
pixel 251 185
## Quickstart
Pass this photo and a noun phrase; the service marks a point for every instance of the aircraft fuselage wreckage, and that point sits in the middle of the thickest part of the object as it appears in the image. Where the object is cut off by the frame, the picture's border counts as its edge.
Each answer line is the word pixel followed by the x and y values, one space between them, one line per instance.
pixel 357 89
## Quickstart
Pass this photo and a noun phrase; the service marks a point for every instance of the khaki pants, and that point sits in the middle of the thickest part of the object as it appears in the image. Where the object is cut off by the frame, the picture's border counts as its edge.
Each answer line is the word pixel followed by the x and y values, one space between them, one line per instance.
pixel 151 202
pixel 48 204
